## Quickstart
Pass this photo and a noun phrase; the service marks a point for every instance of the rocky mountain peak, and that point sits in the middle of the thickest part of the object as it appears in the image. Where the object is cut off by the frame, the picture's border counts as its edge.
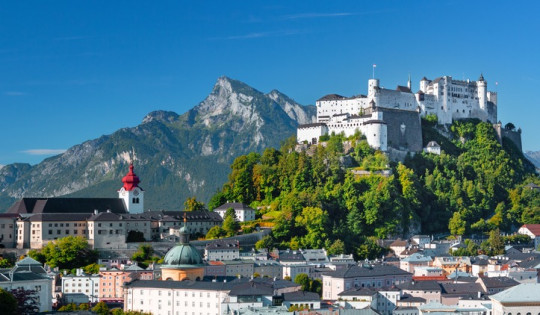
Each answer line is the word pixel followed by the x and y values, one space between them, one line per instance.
pixel 161 116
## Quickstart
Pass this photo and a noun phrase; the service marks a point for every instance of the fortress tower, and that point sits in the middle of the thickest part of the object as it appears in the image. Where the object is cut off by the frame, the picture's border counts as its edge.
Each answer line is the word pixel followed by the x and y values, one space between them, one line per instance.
pixel 482 92
pixel 131 193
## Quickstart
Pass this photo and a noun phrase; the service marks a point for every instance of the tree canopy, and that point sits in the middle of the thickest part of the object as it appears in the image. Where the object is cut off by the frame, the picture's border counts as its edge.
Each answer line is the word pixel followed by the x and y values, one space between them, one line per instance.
pixel 66 253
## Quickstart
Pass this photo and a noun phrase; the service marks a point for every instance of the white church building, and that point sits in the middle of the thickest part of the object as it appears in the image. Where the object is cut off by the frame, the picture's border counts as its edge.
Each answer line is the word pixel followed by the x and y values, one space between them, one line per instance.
pixel 445 97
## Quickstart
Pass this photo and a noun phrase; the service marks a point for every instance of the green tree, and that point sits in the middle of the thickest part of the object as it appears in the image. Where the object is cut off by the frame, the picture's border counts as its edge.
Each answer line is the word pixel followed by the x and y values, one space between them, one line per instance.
pixel 68 308
pixel 315 221
pixel 8 302
pixel 457 225
pixel 66 253
pixel 101 309
pixel 230 225
pixel 369 249
pixel 191 204
pixel 303 280
pixel 215 232
pixel 5 263
pixel 496 243
pixel 337 248
pixel 143 254
pixel 84 306
pixel 266 242
pixel 92 269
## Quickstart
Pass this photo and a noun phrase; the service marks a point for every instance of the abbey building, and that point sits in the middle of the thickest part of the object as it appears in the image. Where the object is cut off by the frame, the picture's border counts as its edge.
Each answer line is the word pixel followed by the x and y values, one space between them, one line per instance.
pixel 391 118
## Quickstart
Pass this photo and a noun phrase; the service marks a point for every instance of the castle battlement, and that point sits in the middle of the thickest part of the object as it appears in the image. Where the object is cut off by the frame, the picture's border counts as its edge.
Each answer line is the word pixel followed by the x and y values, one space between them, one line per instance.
pixel 371 114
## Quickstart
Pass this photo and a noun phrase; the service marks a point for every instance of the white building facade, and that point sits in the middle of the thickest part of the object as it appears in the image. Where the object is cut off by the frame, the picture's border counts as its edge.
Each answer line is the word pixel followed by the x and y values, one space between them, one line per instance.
pixel 445 97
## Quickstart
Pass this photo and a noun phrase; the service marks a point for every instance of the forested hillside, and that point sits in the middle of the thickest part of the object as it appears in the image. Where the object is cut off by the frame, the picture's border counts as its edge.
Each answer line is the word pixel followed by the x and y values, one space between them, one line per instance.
pixel 334 195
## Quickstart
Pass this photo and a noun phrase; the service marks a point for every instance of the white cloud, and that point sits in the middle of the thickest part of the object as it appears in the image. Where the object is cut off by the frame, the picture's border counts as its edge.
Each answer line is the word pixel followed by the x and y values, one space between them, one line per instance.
pixel 44 151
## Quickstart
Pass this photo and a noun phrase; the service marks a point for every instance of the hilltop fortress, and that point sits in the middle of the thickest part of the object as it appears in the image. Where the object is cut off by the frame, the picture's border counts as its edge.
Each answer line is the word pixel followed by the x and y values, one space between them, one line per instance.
pixel 390 119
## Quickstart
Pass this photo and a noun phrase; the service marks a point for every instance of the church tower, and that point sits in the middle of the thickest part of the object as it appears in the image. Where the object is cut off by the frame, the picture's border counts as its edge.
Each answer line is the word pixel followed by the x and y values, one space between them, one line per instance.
pixel 131 193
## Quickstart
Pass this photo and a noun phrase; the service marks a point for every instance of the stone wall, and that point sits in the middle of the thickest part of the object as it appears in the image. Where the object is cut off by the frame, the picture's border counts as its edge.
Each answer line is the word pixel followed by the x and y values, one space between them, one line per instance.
pixel 404 129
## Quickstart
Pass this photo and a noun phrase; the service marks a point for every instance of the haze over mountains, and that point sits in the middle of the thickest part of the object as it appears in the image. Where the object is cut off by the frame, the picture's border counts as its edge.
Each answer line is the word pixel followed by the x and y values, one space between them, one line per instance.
pixel 176 156
pixel 534 157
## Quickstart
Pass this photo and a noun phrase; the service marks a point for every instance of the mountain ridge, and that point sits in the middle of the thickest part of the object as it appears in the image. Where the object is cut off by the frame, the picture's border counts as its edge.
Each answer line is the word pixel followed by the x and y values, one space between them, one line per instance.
pixel 176 156
pixel 534 157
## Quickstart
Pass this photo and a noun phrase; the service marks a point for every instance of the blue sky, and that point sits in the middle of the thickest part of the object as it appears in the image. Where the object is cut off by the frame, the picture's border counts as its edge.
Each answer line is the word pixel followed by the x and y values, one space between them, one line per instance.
pixel 71 71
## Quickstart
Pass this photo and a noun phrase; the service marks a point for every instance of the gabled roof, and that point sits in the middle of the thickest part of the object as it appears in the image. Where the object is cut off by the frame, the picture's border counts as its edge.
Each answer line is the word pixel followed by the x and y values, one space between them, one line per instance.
pixel 291 256
pixel 104 216
pixel 58 217
pixel 332 97
pixel 223 244
pixel 461 288
pixel 358 292
pixel 525 292
pixel 534 228
pixel 498 282
pixel 28 261
pixel 301 296
pixel 428 285
pixel 399 242
pixel 371 271
pixel 235 205
pixel 417 257
pixel 403 89
pixel 67 205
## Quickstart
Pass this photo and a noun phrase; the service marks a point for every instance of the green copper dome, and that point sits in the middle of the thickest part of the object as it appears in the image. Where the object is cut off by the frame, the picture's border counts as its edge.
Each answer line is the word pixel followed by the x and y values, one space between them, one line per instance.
pixel 183 256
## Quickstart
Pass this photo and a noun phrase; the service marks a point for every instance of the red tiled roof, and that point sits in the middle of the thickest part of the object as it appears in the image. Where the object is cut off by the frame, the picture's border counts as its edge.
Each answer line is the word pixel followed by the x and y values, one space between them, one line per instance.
pixel 534 228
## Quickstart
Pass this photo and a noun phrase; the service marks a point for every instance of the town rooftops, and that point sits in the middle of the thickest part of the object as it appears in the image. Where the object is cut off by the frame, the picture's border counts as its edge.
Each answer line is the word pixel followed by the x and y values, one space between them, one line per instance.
pixel 104 216
pixel 186 284
pixel 399 242
pixel 417 258
pixel 433 144
pixel 44 217
pixel 371 271
pixel 420 286
pixel 525 292
pixel 358 292
pixel 498 282
pixel 301 296
pixel 291 256
pixel 223 244
pixel 67 205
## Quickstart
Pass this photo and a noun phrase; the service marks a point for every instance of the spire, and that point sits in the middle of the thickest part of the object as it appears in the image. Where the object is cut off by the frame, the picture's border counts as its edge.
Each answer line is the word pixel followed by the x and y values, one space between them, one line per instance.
pixel 409 82
pixel 481 78
pixel 131 180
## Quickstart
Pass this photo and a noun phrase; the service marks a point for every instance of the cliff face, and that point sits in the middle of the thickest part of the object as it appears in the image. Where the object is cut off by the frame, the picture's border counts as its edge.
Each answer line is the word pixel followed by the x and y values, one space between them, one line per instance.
pixel 176 156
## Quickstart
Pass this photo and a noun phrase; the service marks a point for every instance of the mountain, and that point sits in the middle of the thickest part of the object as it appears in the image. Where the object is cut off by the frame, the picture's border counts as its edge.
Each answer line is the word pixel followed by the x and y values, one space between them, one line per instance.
pixel 176 156
pixel 534 157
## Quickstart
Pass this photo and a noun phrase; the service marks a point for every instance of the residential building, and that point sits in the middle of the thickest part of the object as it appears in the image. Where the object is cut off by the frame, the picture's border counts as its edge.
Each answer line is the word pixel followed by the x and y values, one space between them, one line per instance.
pixel 533 231
pixel 413 261
pixel 80 284
pixel 243 212
pixel 29 274
pixel 372 276
pixel 428 290
pixel 222 249
pixel 521 299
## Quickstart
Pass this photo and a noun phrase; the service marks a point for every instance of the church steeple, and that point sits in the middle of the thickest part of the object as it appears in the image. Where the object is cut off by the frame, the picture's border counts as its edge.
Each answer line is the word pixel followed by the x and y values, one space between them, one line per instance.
pixel 131 193
pixel 409 82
